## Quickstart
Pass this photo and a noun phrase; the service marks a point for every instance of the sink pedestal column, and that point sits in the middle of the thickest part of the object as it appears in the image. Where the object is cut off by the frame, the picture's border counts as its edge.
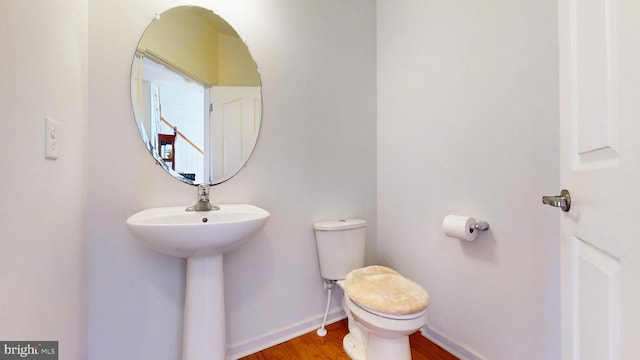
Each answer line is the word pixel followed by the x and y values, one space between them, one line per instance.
pixel 204 315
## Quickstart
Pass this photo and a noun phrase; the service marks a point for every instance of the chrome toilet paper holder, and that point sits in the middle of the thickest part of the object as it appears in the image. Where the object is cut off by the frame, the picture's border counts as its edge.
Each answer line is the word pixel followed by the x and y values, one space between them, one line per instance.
pixel 480 226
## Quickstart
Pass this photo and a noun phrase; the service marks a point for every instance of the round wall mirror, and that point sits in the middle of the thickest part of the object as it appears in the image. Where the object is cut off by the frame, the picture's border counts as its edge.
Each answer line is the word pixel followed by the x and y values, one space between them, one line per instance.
pixel 196 95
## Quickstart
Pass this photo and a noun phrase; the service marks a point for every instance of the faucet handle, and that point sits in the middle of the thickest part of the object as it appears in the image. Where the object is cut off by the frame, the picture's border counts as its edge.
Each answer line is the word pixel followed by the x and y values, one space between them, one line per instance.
pixel 203 190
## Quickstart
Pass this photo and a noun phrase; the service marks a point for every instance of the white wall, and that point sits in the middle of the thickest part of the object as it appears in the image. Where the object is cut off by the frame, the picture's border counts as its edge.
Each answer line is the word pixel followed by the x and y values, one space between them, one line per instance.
pixel 43 72
pixel 467 124
pixel 315 160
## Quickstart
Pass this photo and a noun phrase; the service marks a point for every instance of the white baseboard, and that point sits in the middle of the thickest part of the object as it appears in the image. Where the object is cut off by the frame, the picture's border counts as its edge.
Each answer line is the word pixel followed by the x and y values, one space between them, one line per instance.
pixel 277 336
pixel 456 348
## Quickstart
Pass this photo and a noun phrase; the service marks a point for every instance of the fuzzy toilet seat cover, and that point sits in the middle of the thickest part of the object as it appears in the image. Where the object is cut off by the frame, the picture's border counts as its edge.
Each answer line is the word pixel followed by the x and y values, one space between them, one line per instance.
pixel 384 290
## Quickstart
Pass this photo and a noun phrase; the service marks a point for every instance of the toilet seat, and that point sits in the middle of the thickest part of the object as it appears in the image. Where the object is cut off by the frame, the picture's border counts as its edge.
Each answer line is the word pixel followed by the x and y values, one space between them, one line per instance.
pixel 384 292
pixel 389 316
pixel 340 283
pixel 383 324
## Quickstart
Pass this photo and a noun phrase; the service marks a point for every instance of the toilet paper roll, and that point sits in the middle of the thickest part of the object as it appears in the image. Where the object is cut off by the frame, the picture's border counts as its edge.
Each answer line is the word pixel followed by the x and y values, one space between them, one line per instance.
pixel 460 227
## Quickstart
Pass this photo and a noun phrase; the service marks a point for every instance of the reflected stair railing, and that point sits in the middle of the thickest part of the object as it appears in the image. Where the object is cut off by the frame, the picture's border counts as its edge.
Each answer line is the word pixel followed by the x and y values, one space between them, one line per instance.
pixel 180 134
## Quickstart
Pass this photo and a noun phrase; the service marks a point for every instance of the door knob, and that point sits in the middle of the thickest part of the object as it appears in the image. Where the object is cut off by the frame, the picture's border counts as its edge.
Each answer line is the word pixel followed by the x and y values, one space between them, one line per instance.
pixel 562 201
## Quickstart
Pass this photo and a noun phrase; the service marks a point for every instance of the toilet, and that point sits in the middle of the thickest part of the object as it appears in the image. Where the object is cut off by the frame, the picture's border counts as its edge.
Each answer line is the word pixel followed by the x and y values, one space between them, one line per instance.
pixel 383 307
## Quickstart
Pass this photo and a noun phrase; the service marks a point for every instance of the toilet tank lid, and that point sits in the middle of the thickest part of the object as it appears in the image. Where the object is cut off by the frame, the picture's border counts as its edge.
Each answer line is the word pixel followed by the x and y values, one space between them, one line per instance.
pixel 342 224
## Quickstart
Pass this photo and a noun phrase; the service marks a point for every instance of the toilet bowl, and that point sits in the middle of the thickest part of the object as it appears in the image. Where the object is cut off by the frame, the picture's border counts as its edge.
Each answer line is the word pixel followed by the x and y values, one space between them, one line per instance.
pixel 383 307
pixel 387 338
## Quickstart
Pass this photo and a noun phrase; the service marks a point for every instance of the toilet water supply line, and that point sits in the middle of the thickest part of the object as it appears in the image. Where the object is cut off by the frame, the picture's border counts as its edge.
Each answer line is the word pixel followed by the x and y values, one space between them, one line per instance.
pixel 328 284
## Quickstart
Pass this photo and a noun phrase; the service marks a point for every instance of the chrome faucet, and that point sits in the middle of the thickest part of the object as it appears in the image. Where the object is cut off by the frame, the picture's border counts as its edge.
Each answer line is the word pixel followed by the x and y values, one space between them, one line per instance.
pixel 203 203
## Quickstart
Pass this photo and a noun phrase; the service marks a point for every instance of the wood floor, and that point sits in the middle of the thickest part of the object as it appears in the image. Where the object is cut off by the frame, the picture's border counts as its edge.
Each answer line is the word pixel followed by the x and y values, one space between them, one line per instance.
pixel 313 347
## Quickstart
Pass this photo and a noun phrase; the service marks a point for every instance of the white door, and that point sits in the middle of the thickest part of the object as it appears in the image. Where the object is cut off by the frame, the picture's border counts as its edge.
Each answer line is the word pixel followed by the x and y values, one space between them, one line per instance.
pixel 234 125
pixel 600 166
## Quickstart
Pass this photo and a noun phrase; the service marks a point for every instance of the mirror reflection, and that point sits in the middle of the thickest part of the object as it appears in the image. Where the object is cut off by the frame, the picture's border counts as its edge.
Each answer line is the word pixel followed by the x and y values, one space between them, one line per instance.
pixel 196 95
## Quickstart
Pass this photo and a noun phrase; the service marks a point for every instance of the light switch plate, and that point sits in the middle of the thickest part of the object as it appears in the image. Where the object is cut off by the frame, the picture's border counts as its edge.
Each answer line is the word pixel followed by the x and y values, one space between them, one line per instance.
pixel 50 138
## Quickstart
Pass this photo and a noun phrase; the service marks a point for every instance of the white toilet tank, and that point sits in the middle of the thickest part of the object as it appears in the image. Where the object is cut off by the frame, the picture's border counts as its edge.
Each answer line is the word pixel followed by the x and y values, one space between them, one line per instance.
pixel 340 246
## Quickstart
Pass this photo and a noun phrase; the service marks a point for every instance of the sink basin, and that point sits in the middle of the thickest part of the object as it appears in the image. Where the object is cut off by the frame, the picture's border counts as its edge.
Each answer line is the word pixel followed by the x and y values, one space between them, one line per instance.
pixel 174 231
pixel 202 237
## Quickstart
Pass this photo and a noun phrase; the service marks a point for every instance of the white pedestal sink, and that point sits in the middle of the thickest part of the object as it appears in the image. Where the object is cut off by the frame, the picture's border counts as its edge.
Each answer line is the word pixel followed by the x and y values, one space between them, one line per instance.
pixel 201 237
